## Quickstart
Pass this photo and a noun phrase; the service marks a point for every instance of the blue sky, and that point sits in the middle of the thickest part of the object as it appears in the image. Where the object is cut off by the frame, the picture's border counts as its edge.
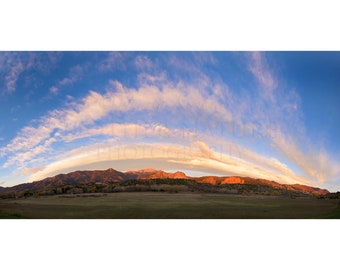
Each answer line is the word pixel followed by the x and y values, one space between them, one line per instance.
pixel 271 115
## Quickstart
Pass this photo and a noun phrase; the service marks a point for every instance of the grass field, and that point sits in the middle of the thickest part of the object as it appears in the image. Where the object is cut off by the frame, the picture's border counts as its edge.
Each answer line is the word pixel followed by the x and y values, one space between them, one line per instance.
pixel 154 205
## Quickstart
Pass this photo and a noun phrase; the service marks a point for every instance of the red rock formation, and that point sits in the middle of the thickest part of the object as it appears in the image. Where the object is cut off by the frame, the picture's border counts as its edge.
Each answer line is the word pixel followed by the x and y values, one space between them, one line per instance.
pixel 232 180
pixel 210 180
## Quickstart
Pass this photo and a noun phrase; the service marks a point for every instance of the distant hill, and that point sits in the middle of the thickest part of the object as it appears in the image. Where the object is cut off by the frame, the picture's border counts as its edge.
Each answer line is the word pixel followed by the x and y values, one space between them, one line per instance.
pixel 111 180
pixel 261 182
pixel 154 174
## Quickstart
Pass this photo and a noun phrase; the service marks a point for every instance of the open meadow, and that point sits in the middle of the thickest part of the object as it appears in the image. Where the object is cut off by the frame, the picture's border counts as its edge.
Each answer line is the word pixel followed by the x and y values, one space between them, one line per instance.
pixel 155 205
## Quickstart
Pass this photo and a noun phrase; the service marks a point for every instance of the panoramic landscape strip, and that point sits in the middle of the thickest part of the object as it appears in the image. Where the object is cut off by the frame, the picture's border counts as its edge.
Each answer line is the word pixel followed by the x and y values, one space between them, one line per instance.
pixel 152 194
pixel 169 134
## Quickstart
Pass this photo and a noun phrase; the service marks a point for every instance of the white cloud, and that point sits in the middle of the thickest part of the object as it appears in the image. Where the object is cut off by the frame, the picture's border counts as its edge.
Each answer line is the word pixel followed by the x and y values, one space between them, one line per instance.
pixel 74 75
pixel 114 60
pixel 96 106
pixel 259 69
pixel 54 90
pixel 120 99
pixel 12 77
pixel 147 79
pixel 28 138
pixel 204 58
pixel 315 164
pixel 14 64
pixel 26 157
pixel 131 131
pixel 31 170
pixel 143 62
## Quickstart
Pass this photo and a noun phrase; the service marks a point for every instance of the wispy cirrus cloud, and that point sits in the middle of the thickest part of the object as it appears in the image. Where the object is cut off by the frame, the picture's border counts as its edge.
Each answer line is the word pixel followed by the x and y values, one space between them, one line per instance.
pixel 24 158
pixel 259 68
pixel 12 77
pixel 113 60
pixel 74 75
pixel 130 130
pixel 314 162
pixel 54 90
pixel 277 116
pixel 32 141
pixel 143 62
pixel 14 64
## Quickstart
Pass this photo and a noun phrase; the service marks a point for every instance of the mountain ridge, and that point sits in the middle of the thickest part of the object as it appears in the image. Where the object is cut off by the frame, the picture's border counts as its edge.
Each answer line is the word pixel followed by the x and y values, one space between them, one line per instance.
pixel 111 176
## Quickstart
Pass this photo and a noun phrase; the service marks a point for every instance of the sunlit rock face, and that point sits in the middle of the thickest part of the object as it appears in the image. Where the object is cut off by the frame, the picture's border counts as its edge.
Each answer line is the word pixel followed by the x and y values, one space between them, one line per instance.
pixel 232 180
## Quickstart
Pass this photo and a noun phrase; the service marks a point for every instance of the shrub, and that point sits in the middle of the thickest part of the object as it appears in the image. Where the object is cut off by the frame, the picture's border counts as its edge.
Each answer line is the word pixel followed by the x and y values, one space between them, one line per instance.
pixel 276 193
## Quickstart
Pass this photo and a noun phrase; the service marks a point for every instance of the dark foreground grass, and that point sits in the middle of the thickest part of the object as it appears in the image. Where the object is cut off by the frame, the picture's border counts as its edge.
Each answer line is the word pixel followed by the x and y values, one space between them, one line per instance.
pixel 144 205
